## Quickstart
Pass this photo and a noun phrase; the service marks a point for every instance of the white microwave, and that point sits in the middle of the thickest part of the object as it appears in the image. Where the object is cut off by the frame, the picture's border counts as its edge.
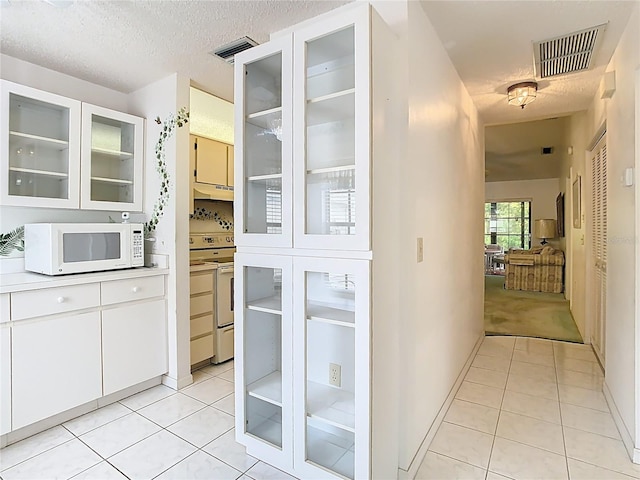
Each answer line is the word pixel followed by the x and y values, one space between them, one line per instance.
pixel 61 248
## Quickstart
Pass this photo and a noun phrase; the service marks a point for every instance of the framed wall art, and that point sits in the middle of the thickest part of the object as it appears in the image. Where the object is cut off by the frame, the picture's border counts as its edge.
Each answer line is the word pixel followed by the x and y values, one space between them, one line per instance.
pixel 576 203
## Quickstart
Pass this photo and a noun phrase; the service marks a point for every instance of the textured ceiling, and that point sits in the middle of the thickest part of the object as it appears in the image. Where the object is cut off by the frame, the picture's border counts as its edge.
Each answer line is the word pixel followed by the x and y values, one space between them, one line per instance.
pixel 490 44
pixel 514 152
pixel 125 45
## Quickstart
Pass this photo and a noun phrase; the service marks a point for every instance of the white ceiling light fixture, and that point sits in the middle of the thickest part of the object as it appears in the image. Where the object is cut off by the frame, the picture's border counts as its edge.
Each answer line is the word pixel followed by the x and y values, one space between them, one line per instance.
pixel 522 93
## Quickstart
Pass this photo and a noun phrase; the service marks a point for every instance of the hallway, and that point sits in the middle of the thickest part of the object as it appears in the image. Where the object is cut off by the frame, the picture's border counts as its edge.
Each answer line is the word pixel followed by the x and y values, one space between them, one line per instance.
pixel 529 408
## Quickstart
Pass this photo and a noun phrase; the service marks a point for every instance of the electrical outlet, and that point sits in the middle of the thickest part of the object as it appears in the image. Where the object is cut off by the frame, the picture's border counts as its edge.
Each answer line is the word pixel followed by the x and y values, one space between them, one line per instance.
pixel 335 375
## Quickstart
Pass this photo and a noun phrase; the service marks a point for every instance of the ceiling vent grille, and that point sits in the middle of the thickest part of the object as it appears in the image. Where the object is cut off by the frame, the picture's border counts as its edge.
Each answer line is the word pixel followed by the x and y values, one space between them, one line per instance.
pixel 227 52
pixel 566 54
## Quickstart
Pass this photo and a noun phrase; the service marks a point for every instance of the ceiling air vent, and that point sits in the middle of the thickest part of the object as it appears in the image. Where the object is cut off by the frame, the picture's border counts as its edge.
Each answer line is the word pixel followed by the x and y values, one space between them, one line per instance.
pixel 566 54
pixel 228 51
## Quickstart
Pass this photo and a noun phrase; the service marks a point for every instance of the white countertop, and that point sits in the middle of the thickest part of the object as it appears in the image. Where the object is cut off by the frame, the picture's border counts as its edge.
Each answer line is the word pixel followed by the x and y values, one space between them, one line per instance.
pixel 22 281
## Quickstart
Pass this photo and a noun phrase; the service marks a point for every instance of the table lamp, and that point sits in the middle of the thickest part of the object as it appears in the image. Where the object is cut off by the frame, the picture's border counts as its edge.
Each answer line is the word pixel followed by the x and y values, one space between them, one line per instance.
pixel 545 228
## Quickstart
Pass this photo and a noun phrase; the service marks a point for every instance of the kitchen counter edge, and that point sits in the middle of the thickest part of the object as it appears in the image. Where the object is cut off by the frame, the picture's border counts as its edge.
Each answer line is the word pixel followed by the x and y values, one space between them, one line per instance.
pixel 24 281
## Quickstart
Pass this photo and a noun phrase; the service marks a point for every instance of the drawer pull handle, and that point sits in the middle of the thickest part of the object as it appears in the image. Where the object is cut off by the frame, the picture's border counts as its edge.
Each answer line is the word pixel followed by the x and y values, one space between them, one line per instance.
pixel 61 299
pixel 135 289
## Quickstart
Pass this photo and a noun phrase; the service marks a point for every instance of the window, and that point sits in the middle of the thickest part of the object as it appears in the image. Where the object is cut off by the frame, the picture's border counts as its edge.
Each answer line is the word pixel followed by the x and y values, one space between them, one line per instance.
pixel 340 207
pixel 274 208
pixel 508 224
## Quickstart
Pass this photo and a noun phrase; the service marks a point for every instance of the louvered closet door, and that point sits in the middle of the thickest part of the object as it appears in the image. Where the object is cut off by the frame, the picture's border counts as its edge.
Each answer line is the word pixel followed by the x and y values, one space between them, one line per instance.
pixel 598 260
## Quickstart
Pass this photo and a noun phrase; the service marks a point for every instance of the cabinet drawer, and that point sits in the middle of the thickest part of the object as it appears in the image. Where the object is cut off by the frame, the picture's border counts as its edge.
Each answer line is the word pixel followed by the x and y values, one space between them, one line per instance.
pixel 201 325
pixel 49 301
pixel 201 349
pixel 201 304
pixel 118 291
pixel 200 283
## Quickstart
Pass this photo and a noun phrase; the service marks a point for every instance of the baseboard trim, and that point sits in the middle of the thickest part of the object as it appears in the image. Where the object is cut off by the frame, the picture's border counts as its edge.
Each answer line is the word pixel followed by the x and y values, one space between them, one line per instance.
pixel 177 383
pixel 411 472
pixel 627 440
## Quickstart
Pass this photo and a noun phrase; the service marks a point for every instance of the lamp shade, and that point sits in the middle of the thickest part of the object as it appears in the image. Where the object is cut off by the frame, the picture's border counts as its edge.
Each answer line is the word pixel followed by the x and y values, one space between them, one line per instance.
pixel 545 228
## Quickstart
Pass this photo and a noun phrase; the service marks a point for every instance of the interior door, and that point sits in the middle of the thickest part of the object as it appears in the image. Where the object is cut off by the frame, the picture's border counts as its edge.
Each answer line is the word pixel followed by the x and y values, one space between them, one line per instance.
pixel 598 255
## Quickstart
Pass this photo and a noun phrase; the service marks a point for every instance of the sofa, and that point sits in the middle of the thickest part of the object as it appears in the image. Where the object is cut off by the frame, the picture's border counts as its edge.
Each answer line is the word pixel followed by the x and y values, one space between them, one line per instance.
pixel 537 270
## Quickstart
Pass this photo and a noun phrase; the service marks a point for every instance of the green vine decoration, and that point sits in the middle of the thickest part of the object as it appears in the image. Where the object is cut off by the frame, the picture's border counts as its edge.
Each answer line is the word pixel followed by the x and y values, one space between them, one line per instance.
pixel 14 240
pixel 168 127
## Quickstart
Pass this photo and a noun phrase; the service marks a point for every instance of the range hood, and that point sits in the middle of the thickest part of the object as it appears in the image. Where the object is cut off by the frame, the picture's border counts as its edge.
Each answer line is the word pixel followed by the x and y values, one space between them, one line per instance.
pixel 207 191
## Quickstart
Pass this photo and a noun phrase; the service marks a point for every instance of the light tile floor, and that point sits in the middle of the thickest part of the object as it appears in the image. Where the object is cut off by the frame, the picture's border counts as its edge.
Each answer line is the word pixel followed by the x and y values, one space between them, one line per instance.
pixel 528 409
pixel 158 433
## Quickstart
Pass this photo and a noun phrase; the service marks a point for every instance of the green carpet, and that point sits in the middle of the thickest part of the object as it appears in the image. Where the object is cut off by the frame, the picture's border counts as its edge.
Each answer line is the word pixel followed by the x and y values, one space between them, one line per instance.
pixel 527 314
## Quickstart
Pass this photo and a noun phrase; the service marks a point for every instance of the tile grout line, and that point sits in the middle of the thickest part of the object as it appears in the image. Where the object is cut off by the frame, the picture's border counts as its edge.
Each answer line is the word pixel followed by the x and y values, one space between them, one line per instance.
pixel 504 391
pixel 564 440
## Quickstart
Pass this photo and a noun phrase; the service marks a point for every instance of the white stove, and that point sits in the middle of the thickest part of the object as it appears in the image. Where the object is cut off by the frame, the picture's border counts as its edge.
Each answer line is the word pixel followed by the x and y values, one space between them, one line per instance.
pixel 214 251
pixel 208 248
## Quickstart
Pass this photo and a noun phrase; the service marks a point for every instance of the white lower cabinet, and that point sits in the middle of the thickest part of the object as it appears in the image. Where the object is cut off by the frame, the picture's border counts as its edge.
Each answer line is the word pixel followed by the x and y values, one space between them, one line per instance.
pixel 55 364
pixel 305 356
pixel 64 346
pixel 133 335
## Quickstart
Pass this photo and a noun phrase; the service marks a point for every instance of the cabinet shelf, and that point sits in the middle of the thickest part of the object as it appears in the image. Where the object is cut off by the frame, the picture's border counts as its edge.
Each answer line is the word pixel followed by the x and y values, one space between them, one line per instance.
pixel 115 181
pixel 331 108
pixel 334 316
pixel 265 117
pixel 45 173
pixel 331 406
pixel 267 305
pixel 27 138
pixel 113 153
pixel 268 388
pixel 260 178
pixel 340 168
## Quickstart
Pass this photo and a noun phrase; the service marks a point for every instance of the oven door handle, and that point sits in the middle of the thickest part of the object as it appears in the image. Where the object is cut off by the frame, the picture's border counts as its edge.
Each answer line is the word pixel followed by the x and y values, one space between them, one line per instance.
pixel 225 269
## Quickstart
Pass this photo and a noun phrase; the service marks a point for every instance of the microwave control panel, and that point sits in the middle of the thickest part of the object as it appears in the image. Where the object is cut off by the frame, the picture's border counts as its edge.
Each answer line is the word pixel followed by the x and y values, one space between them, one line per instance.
pixel 138 249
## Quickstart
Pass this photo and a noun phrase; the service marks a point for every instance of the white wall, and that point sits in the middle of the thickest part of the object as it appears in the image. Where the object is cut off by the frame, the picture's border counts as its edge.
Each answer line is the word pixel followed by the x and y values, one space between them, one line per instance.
pixel 575 269
pixel 542 194
pixel 160 99
pixel 442 199
pixel 621 376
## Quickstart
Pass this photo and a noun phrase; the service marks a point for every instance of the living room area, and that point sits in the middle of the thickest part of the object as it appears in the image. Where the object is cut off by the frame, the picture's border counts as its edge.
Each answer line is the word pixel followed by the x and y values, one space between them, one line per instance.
pixel 524 232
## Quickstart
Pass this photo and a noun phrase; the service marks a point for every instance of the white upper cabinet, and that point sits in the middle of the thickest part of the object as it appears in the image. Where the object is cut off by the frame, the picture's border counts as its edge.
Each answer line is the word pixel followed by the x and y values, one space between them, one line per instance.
pixel 62 153
pixel 112 159
pixel 40 156
pixel 263 79
pixel 332 133
pixel 303 137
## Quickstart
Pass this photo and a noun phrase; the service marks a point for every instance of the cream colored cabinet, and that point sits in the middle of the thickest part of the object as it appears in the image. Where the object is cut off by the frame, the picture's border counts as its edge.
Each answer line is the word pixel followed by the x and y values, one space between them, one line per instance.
pixel 55 365
pixel 202 335
pixel 212 161
pixel 59 152
pixel 112 160
pixel 40 148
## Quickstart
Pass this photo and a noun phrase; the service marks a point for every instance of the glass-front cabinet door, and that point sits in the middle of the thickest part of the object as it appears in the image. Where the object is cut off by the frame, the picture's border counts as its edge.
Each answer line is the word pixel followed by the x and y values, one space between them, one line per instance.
pixel 263 354
pixel 40 155
pixel 332 134
pixel 331 338
pixel 112 159
pixel 263 145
